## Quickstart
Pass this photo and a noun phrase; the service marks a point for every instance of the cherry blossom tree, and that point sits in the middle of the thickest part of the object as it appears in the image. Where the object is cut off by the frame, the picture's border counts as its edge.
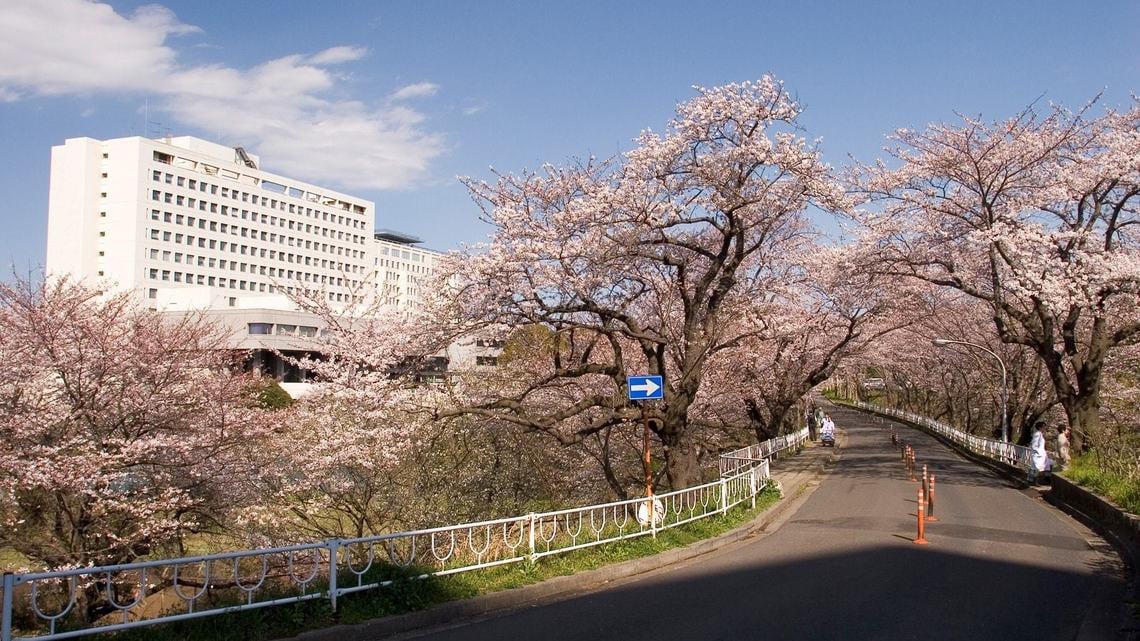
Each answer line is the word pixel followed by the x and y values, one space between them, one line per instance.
pixel 958 384
pixel 1116 443
pixel 835 310
pixel 334 466
pixel 643 265
pixel 121 427
pixel 329 470
pixel 365 453
pixel 1034 216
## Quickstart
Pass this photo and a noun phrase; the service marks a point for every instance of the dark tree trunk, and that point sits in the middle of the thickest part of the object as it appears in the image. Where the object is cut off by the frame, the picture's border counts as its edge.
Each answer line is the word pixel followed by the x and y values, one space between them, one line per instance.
pixel 682 466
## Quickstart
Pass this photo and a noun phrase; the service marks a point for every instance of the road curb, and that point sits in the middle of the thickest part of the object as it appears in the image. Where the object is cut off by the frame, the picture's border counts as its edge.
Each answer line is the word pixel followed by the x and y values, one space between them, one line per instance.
pixel 796 488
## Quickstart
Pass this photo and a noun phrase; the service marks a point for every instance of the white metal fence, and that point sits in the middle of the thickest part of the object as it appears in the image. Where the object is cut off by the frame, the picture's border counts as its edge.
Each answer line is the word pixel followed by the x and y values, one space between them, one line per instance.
pixel 1015 455
pixel 741 458
pixel 48 605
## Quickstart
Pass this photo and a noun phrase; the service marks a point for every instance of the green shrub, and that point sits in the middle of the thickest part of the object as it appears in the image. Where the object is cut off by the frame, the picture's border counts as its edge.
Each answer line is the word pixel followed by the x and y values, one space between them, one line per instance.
pixel 271 396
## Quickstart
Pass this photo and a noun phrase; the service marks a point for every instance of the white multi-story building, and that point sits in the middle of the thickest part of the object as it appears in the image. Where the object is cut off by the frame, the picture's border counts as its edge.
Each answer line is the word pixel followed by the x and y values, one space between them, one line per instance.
pixel 192 224
pixel 189 224
pixel 401 269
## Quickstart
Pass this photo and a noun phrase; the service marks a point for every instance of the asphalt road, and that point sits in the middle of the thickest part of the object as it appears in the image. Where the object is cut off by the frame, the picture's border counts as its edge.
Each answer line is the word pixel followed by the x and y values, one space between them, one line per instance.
pixel 1001 564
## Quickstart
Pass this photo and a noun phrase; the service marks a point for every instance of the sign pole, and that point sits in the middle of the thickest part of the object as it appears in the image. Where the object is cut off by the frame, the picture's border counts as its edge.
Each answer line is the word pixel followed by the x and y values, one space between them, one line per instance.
pixel 647 464
pixel 642 389
pixel 645 451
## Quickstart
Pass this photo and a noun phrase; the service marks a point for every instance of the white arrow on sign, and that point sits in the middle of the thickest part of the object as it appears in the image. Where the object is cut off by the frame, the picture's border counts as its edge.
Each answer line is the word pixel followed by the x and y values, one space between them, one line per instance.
pixel 647 386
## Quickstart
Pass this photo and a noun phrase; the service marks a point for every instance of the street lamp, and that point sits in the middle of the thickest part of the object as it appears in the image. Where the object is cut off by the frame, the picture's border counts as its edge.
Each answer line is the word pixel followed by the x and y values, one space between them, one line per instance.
pixel 943 342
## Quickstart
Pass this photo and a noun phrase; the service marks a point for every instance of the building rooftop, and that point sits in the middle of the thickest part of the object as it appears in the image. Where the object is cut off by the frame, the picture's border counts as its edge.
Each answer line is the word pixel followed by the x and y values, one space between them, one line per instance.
pixel 397 237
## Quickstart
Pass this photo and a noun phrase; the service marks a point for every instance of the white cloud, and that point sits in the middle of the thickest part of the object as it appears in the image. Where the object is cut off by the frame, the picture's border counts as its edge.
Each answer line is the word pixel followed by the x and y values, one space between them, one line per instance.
pixel 471 110
pixel 280 108
pixel 338 55
pixel 418 90
pixel 66 46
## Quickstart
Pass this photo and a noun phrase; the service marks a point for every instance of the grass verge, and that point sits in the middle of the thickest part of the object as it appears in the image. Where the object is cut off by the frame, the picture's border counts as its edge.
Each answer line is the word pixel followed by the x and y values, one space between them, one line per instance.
pixel 1085 472
pixel 408 594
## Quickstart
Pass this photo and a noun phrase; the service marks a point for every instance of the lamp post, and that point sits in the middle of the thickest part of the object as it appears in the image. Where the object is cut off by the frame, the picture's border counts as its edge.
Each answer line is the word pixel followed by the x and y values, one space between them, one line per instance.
pixel 943 342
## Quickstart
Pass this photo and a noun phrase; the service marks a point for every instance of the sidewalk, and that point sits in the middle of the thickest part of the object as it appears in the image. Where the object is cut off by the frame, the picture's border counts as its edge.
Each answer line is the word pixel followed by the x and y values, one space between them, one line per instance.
pixel 797 475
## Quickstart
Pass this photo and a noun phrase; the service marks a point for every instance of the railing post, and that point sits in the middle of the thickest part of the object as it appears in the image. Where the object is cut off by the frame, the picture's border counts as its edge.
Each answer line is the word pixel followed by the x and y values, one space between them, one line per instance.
pixel 723 496
pixel 6 624
pixel 753 484
pixel 334 554
pixel 531 539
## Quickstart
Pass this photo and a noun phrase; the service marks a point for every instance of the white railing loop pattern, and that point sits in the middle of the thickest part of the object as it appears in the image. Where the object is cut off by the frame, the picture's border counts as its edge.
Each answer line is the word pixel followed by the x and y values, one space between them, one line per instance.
pixel 214 584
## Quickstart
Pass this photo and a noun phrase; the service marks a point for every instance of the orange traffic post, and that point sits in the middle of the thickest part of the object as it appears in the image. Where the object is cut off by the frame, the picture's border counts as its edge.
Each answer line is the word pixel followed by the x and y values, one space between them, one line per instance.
pixel 930 501
pixel 921 540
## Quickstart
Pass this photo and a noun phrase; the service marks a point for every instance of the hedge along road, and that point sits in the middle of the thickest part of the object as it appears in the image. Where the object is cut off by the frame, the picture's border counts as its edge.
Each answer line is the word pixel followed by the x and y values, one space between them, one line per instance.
pixel 1001 563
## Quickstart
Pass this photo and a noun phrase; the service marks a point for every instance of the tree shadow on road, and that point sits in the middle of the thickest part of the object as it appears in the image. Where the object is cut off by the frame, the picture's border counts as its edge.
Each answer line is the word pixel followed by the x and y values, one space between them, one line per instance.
pixel 892 592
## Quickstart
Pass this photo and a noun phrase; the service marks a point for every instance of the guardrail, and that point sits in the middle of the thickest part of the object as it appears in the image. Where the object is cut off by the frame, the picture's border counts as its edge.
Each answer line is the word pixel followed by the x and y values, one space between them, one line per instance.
pixel 132 595
pixel 736 459
pixel 1014 455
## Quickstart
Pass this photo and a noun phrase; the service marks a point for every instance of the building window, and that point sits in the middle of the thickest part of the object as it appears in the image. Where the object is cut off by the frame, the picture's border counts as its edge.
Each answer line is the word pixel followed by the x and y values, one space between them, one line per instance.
pixel 487 360
pixel 260 329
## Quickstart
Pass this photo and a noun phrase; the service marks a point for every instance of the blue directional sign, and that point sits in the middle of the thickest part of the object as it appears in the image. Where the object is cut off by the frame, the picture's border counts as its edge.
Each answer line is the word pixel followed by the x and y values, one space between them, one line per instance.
pixel 645 388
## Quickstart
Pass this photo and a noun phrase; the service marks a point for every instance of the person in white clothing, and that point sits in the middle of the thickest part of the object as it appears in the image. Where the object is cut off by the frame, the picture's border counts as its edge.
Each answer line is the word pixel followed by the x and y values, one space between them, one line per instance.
pixel 1039 458
pixel 827 430
pixel 1063 446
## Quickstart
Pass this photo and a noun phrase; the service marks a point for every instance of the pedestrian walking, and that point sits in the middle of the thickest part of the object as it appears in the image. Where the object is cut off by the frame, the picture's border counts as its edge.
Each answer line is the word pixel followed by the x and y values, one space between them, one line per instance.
pixel 813 424
pixel 1039 457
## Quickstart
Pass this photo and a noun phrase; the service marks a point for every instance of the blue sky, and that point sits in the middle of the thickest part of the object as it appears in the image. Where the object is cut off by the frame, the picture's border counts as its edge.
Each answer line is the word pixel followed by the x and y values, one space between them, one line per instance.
pixel 393 100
